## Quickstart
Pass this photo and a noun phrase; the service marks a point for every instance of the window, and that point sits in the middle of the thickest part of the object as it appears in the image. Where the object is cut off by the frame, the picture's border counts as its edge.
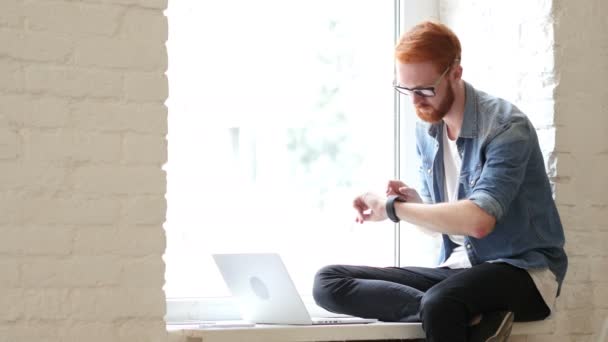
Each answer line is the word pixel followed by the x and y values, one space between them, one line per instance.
pixel 279 114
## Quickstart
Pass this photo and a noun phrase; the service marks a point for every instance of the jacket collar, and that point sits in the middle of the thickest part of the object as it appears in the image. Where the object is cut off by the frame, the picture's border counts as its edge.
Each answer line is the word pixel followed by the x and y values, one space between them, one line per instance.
pixel 469 121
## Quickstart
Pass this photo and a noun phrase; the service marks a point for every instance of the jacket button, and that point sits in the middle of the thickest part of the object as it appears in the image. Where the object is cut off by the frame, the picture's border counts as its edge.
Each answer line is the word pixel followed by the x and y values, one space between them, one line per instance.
pixel 472 182
pixel 468 246
pixel 429 170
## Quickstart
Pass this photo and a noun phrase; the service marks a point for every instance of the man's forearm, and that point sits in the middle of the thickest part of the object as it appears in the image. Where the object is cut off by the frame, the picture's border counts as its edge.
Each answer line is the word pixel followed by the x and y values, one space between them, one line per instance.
pixel 457 218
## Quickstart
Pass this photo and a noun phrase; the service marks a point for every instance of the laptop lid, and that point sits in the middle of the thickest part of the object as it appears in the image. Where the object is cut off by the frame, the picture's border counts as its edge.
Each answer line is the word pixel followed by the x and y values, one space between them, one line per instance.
pixel 263 289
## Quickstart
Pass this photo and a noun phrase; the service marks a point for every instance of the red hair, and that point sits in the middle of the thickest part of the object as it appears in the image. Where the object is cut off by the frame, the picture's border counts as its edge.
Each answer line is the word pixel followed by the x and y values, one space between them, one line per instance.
pixel 429 42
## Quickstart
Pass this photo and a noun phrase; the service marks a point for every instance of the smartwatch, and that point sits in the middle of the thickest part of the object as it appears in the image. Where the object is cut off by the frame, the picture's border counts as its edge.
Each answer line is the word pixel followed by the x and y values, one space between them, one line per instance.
pixel 390 207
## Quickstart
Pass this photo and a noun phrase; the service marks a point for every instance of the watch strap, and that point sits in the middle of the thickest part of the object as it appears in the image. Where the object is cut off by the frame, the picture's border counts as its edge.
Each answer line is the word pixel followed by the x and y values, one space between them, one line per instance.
pixel 390 207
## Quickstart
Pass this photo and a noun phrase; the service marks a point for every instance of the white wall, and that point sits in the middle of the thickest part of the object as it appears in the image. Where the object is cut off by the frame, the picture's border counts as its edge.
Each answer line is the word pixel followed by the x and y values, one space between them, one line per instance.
pixel 551 59
pixel 82 141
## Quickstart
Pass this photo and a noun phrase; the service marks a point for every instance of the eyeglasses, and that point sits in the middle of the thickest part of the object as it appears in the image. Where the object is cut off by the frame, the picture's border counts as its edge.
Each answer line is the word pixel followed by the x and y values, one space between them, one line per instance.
pixel 421 91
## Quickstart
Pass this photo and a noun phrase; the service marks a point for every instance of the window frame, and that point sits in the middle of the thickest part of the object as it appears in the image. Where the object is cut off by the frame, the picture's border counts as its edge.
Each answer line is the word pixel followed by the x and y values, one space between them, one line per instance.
pixel 407 13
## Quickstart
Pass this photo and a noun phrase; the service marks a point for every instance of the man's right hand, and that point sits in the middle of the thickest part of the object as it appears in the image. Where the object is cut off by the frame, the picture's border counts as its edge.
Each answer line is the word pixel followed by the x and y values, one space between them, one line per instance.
pixel 398 188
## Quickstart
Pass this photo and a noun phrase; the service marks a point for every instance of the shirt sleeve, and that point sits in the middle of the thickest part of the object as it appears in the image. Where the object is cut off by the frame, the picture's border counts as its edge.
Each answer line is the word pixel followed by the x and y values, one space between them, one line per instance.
pixel 506 161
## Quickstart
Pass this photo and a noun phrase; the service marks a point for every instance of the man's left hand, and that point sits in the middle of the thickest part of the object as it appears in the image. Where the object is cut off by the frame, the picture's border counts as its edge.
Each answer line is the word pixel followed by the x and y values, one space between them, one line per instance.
pixel 370 207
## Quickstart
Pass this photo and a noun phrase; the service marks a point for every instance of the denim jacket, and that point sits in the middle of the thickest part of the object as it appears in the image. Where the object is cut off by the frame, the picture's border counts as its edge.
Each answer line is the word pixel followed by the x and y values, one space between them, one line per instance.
pixel 503 172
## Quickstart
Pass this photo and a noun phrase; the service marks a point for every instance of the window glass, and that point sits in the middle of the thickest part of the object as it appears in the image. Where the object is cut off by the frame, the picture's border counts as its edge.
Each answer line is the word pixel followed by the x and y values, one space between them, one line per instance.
pixel 280 112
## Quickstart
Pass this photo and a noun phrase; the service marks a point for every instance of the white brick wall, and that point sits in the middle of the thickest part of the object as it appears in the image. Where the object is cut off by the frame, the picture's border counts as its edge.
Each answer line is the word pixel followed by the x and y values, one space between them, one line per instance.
pixel 82 142
pixel 551 59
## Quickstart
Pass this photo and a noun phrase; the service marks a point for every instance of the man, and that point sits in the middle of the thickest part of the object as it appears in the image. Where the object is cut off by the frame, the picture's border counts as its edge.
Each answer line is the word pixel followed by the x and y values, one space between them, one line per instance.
pixel 484 188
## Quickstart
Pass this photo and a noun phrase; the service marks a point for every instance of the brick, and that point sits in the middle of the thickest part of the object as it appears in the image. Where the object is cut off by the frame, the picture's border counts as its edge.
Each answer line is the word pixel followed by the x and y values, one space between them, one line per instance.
pixel 11 302
pixel 152 118
pixel 149 210
pixel 96 240
pixel 139 149
pixel 577 296
pixel 599 269
pixel 36 240
pixel 142 87
pixel 127 330
pixel 125 241
pixel 583 180
pixel 594 142
pixel 598 215
pixel 583 217
pixel 566 191
pixel 600 321
pixel 110 116
pixel 600 295
pixel 91 332
pixel 518 338
pixel 9 274
pixel 73 82
pixel 143 272
pixel 10 144
pixel 12 76
pixel 595 181
pixel 144 25
pixel 35 46
pixel 42 331
pixel 32 177
pixel 34 111
pixel 89 271
pixel 565 105
pixel 11 13
pixel 586 243
pixel 569 214
pixel 119 180
pixel 11 208
pixel 579 269
pixel 547 338
pixel 67 145
pixel 566 164
pixel 73 18
pixel 577 321
pixel 95 147
pixel 121 53
pixel 72 210
pixel 49 304
pixel 111 304
pixel 598 247
pixel 570 14
pixel 142 331
pixel 153 4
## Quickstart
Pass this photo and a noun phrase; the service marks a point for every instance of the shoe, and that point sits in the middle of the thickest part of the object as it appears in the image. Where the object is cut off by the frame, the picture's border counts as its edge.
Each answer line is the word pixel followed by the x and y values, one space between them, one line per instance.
pixel 494 327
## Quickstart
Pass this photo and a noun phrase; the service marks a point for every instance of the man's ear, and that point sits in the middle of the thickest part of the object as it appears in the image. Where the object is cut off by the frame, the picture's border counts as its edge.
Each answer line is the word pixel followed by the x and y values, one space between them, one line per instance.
pixel 457 73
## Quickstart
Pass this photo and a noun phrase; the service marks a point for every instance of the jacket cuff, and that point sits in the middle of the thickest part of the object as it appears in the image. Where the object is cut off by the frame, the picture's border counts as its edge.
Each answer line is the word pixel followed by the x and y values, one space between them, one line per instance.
pixel 488 203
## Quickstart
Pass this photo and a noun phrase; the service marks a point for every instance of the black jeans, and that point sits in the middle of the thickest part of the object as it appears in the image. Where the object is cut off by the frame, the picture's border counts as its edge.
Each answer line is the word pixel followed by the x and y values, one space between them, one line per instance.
pixel 444 300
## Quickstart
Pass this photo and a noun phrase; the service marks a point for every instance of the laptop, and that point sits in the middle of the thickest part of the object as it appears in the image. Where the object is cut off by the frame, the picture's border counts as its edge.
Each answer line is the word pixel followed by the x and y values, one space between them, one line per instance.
pixel 265 292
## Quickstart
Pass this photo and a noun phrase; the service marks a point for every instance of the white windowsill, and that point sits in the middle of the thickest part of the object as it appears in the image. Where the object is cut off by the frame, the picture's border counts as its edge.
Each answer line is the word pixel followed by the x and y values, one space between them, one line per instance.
pixel 375 331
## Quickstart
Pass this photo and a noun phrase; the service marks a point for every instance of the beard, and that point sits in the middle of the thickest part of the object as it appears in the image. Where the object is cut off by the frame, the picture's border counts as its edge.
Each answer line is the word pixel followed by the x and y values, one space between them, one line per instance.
pixel 433 115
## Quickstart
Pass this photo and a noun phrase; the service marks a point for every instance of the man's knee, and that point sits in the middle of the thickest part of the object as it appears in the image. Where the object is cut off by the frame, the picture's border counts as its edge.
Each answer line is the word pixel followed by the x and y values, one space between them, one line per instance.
pixel 437 304
pixel 325 285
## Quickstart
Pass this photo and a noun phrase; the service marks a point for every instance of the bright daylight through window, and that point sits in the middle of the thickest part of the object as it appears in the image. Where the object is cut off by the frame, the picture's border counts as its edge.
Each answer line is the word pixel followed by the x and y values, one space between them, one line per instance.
pixel 280 113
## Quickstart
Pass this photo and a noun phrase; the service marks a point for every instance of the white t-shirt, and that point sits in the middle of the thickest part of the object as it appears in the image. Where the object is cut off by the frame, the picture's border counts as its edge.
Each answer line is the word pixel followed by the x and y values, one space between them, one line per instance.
pixel 452 164
pixel 544 279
